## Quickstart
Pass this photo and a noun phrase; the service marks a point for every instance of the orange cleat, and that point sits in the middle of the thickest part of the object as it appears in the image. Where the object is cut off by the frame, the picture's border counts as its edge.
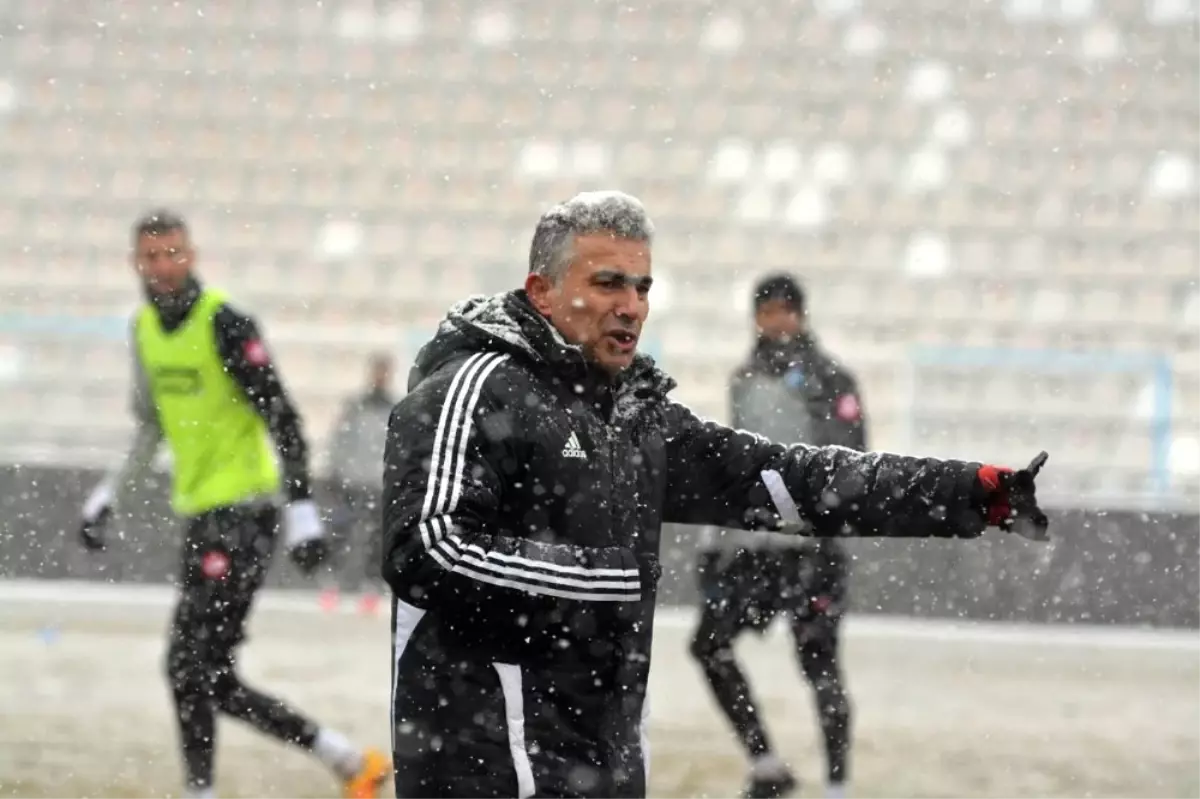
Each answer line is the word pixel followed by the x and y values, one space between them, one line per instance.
pixel 376 768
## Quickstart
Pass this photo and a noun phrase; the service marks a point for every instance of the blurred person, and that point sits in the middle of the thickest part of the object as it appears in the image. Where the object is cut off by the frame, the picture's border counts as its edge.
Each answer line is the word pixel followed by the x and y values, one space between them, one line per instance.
pixel 356 465
pixel 789 389
pixel 528 473
pixel 205 383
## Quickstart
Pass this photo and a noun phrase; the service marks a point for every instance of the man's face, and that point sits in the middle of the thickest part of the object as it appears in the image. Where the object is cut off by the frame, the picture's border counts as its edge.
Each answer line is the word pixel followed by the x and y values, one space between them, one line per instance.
pixel 777 320
pixel 163 261
pixel 602 301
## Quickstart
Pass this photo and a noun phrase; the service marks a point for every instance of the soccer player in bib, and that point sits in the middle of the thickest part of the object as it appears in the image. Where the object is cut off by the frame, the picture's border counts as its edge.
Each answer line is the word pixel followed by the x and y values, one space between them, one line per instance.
pixel 204 383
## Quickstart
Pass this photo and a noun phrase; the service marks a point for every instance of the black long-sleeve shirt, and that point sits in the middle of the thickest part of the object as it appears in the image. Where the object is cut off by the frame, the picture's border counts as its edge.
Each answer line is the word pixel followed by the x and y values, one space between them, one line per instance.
pixel 793 392
pixel 247 360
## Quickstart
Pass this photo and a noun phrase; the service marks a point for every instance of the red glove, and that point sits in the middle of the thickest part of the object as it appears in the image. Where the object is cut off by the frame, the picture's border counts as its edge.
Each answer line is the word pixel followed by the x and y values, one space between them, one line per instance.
pixel 999 508
pixel 1011 499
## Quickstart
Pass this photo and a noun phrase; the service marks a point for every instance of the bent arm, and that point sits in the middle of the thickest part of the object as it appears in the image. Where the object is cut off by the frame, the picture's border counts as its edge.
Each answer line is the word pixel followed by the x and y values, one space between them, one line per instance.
pixel 247 360
pixel 443 491
pixel 848 419
pixel 718 475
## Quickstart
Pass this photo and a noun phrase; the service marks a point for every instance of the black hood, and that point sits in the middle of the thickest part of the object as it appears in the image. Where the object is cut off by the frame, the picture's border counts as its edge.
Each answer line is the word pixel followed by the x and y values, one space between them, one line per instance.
pixel 507 322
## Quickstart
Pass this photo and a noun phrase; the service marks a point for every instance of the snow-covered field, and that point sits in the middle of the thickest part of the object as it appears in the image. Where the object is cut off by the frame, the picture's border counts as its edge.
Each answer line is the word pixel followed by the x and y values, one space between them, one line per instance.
pixel 942 709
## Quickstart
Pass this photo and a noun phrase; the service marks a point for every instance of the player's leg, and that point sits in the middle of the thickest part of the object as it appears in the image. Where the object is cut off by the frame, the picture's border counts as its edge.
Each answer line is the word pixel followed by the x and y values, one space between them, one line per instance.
pixel 249 535
pixel 729 587
pixel 818 648
pixel 189 682
pixel 712 648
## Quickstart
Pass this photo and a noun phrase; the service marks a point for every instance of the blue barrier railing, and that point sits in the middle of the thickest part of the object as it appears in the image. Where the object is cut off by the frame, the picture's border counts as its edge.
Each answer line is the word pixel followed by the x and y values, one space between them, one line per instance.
pixel 64 326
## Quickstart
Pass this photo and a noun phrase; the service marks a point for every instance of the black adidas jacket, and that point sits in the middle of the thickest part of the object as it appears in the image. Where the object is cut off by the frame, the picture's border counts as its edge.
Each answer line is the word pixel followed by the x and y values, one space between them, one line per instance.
pixel 524 494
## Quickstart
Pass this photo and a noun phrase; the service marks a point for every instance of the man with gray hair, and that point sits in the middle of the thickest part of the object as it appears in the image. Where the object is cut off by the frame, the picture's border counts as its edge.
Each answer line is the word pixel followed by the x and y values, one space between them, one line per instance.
pixel 527 476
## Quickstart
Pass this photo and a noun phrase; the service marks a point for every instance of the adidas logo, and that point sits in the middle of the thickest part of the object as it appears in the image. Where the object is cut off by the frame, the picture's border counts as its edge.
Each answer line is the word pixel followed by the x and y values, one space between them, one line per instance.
pixel 573 449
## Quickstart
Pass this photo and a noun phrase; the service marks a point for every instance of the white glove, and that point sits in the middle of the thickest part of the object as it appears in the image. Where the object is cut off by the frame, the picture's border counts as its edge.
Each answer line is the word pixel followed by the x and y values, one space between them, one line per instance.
pixel 301 523
pixel 98 502
pixel 96 512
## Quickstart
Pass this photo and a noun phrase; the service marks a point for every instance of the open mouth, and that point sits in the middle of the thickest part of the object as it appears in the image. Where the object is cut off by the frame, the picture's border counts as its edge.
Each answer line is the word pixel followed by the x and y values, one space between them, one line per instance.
pixel 624 340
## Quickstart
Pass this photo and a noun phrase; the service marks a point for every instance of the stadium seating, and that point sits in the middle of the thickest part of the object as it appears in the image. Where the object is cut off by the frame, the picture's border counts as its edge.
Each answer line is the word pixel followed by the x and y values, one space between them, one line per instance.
pixel 970 190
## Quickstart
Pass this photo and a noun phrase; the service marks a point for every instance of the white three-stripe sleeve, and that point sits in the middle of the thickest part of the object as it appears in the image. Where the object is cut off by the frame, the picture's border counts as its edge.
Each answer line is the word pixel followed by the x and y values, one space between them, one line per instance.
pixel 449 525
pixel 447 464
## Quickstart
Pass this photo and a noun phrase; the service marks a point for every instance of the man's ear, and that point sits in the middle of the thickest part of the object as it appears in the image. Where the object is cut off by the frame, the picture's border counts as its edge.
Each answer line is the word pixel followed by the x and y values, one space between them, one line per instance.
pixel 539 288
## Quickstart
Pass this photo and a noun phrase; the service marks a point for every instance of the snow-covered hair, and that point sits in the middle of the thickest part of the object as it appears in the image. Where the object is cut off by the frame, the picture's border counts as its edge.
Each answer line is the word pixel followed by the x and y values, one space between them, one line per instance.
pixel 589 212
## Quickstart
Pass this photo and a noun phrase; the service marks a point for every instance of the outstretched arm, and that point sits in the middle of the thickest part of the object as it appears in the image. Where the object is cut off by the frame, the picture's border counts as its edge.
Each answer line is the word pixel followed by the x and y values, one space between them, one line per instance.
pixel 847 421
pixel 719 475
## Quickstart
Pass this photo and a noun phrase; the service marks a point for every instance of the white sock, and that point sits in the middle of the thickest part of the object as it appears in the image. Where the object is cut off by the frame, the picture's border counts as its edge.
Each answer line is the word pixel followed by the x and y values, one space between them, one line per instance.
pixel 768 766
pixel 200 793
pixel 835 790
pixel 335 751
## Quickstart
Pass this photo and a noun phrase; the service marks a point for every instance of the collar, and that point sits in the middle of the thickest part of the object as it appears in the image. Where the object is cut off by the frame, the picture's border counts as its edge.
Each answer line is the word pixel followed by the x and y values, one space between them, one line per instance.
pixel 174 306
pixel 776 357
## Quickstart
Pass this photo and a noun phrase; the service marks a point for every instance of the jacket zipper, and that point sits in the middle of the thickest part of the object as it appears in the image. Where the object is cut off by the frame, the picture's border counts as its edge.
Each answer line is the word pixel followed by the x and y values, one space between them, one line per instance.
pixel 610 447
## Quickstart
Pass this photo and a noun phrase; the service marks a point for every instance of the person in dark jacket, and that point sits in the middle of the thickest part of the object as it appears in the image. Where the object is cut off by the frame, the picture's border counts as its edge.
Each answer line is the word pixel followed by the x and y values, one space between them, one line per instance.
pixel 790 389
pixel 355 462
pixel 527 475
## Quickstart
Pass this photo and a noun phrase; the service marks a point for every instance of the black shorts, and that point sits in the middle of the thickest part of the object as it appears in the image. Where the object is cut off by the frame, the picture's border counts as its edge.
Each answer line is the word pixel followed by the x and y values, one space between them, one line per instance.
pixel 750 587
pixel 226 554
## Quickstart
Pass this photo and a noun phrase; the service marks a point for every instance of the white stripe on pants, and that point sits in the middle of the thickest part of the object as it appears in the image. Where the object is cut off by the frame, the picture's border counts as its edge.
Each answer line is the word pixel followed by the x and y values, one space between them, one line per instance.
pixel 514 714
pixel 407 618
